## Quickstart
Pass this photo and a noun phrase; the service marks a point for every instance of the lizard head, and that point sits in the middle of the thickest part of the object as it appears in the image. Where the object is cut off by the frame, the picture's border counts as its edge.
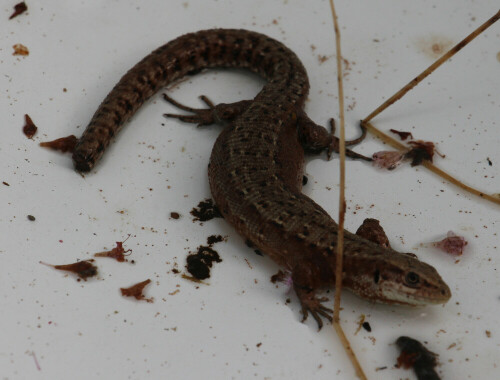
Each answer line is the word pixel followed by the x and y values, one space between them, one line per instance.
pixel 398 278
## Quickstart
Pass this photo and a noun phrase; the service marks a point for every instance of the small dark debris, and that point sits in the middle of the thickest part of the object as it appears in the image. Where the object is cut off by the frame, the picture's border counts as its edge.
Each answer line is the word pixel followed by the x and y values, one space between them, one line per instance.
pixel 5 183
pixel 199 264
pixel 422 150
pixel 31 218
pixel 63 144
pixel 402 135
pixel 414 354
pixel 489 161
pixel 278 277
pixel 175 215
pixel 206 210
pixel 212 239
pixel 19 8
pixel 29 128
pixel 366 326
pixel 175 271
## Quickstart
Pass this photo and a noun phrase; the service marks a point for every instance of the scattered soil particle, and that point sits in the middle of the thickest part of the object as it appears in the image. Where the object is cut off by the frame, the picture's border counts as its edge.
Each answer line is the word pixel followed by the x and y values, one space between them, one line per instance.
pixel 5 183
pixel 31 218
pixel 206 210
pixel 213 239
pixel 175 215
pixel 199 264
pixel 367 327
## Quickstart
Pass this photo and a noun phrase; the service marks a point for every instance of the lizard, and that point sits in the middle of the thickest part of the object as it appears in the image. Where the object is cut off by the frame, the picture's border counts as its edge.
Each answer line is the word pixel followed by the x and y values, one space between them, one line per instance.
pixel 256 168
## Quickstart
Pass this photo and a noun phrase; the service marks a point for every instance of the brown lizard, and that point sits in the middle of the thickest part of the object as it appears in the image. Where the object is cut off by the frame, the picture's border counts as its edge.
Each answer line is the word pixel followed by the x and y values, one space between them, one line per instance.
pixel 256 168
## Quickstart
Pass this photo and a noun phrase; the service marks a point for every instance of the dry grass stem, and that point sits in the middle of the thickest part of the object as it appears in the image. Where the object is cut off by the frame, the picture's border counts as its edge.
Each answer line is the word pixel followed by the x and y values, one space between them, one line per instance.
pixel 398 95
pixel 340 238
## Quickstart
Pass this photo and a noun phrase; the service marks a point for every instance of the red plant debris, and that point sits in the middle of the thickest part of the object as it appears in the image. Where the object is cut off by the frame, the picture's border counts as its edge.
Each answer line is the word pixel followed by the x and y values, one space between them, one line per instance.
pixel 402 135
pixel 83 269
pixel 20 49
pixel 29 128
pixel 63 144
pixel 19 8
pixel 136 291
pixel 452 244
pixel 386 159
pixel 117 253
pixel 422 150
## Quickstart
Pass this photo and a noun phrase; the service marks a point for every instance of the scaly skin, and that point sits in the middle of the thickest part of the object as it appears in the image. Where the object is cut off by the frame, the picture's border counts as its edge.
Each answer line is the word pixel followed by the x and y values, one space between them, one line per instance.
pixel 256 168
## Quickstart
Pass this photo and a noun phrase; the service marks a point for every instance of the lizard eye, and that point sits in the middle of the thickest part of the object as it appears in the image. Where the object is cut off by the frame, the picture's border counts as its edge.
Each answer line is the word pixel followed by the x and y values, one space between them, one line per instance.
pixel 412 279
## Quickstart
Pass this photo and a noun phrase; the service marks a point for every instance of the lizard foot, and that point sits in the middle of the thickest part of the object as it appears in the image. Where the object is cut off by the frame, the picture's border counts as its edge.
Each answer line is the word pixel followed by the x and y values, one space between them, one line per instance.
pixel 201 116
pixel 312 304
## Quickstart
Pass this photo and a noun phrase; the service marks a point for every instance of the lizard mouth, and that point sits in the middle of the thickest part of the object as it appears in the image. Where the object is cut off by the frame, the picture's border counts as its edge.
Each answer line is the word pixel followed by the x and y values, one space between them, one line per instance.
pixel 402 295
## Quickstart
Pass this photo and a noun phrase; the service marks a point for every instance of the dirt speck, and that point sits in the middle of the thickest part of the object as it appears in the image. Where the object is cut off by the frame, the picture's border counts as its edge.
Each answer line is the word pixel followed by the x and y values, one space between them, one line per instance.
pixel 434 46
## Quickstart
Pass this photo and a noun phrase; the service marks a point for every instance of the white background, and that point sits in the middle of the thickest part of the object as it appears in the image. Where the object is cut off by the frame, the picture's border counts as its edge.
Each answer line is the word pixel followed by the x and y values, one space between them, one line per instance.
pixel 238 325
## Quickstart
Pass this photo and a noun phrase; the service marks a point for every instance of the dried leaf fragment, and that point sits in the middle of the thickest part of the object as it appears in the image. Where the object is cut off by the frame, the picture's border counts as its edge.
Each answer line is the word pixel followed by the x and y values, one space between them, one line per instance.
pixel 83 269
pixel 136 291
pixel 20 49
pixel 63 144
pixel 402 135
pixel 19 8
pixel 29 128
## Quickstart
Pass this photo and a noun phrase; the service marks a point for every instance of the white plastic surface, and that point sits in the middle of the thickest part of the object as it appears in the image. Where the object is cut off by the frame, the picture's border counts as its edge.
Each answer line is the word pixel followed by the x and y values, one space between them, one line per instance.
pixel 239 325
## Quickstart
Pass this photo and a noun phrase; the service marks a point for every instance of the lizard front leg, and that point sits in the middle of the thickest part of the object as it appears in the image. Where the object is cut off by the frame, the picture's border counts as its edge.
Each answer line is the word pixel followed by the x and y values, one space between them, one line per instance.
pixel 315 138
pixel 214 114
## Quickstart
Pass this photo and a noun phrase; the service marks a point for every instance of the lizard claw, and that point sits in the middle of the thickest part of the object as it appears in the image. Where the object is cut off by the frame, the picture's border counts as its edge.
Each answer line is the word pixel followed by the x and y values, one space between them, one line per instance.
pixel 312 304
pixel 201 116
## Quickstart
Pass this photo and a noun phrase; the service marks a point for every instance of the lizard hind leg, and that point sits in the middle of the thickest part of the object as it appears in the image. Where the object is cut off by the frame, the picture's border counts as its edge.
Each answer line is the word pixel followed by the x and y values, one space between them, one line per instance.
pixel 214 114
pixel 312 304
pixel 315 138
